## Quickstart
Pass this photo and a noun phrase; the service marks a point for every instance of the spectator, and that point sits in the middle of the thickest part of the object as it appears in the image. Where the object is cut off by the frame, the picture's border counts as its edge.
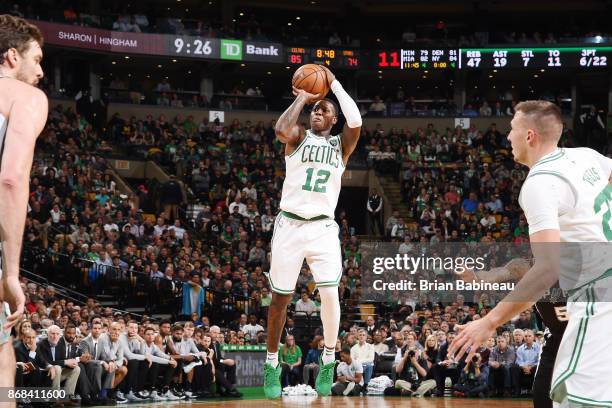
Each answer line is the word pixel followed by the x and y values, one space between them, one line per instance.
pixel 446 366
pixel 172 195
pixel 305 304
pixel 411 373
pixel 379 346
pixel 32 369
pixel 311 364
pixel 162 365
pixel 472 382
pixel 374 207
pixel 364 353
pixel 290 358
pixel 53 350
pixel 350 375
pixel 501 361
pixel 253 328
pixel 225 368
pixel 527 359
pixel 378 107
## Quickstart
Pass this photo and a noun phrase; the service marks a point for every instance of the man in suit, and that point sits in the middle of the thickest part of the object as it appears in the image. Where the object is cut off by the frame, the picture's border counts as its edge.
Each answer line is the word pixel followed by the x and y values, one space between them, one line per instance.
pixel 84 385
pixel 102 367
pixel 225 373
pixel 32 369
pixel 54 351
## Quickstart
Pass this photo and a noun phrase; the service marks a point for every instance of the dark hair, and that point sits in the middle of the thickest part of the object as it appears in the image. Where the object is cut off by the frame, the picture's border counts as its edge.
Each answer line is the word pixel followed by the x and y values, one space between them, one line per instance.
pixel 16 32
pixel 69 326
pixel 149 329
pixel 177 327
pixel 346 350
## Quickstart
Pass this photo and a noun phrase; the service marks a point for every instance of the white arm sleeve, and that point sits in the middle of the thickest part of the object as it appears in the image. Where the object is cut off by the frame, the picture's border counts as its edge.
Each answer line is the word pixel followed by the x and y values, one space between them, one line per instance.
pixel 544 198
pixel 347 104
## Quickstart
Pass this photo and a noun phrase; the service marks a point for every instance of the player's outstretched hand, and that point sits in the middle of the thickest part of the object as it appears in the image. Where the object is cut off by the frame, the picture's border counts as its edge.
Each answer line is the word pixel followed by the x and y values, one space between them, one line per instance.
pixel 470 337
pixel 330 76
pixel 310 98
pixel 14 296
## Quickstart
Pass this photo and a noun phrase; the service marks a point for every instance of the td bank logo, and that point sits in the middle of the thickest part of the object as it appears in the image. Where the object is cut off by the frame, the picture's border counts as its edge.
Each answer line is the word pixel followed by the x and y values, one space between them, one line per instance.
pixel 231 49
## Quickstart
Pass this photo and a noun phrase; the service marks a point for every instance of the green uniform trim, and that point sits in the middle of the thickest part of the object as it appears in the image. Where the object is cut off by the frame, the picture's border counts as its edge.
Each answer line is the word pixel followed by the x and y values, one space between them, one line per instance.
pixel 554 157
pixel 606 274
pixel 300 145
pixel 588 401
pixel 297 217
pixel 578 344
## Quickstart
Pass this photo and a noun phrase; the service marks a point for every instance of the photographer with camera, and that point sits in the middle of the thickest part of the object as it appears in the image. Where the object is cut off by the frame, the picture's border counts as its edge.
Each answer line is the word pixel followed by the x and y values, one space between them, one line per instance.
pixel 473 382
pixel 412 373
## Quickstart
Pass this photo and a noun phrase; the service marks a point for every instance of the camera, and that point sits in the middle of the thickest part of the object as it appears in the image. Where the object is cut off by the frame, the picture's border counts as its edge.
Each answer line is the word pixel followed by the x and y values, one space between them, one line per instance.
pixel 411 354
pixel 474 359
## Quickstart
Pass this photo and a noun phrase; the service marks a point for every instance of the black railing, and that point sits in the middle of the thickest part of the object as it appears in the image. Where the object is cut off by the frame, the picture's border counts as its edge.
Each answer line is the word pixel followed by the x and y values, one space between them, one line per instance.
pixel 130 288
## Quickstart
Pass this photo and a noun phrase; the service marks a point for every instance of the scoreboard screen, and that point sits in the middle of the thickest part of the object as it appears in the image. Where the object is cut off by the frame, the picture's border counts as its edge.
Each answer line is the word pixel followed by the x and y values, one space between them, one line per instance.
pixel 331 57
pixel 420 58
pixel 554 58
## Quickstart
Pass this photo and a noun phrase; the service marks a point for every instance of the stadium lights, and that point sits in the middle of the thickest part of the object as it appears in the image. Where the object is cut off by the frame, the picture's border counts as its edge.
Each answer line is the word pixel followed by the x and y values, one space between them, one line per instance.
pixel 114 62
pixel 173 60
pixel 127 57
pixel 241 14
pixel 298 17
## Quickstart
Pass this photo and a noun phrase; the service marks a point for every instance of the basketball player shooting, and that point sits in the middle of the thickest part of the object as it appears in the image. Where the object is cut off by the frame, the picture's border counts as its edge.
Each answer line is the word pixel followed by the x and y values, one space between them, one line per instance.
pixel 23 113
pixel 566 197
pixel 305 227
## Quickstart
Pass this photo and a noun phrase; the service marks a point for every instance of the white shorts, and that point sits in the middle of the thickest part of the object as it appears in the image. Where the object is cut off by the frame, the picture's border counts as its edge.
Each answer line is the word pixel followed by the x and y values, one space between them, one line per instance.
pixel 296 240
pixel 582 367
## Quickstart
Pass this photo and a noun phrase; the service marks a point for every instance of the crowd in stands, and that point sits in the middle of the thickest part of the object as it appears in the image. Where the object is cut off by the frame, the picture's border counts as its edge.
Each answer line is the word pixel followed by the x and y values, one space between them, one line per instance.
pixel 410 358
pixel 321 29
pixel 96 356
pixel 216 261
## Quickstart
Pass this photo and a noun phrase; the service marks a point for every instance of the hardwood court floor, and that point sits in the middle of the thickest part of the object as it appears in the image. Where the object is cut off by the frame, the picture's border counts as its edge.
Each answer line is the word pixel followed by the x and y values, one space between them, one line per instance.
pixel 351 402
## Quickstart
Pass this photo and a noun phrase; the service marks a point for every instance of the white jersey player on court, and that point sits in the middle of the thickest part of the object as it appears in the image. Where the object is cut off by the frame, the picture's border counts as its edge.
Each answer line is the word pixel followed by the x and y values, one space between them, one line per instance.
pixel 305 227
pixel 23 113
pixel 567 200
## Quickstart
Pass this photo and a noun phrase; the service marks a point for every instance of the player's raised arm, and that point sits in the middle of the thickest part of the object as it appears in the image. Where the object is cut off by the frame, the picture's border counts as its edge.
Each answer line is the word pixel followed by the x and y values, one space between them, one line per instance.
pixel 287 129
pixel 352 127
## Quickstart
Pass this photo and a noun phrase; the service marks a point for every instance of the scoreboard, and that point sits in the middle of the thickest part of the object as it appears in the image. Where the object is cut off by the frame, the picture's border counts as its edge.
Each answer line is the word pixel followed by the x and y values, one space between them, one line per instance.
pixel 419 58
pixel 331 57
pixel 531 57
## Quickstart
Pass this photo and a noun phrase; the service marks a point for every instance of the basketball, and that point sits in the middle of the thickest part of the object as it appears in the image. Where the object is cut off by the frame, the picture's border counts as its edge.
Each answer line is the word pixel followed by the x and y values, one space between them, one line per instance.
pixel 312 78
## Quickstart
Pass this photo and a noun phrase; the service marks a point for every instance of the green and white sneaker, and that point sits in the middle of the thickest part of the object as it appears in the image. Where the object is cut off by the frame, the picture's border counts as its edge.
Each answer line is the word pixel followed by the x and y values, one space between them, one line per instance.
pixel 325 379
pixel 272 385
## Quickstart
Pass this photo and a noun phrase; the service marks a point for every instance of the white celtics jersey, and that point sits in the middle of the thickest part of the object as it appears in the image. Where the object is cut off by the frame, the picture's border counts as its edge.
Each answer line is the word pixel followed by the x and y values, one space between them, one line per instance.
pixel 584 214
pixel 314 176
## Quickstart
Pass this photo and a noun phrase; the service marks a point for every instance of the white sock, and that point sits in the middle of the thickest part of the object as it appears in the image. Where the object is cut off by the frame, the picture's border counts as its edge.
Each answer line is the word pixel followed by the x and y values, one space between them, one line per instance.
pixel 330 316
pixel 272 359
pixel 328 355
